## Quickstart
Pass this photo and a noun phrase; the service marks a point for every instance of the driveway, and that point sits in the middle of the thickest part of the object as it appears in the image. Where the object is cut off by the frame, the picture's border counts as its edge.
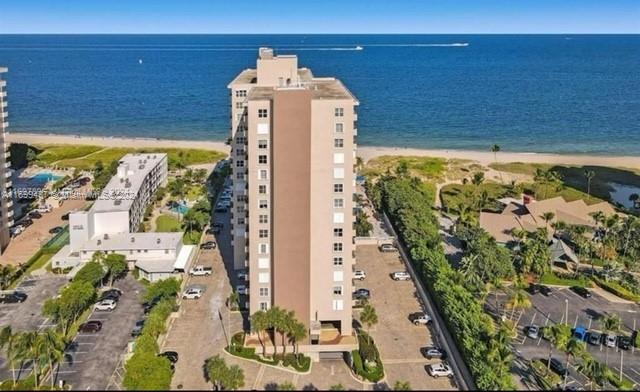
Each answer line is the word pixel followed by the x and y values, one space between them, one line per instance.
pixel 92 358
pixel 398 340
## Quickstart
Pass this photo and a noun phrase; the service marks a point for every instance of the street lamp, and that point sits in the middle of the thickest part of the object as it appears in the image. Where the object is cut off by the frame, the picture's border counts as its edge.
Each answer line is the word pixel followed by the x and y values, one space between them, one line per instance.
pixel 566 311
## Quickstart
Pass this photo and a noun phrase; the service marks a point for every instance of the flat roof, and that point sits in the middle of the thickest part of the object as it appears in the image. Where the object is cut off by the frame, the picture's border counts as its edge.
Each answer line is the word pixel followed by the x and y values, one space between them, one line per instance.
pixel 4 69
pixel 321 88
pixel 133 241
pixel 136 167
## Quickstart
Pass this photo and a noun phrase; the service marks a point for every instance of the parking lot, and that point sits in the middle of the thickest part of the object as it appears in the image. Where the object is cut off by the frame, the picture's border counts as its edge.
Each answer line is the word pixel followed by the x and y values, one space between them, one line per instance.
pixel 92 357
pixel 398 340
pixel 585 312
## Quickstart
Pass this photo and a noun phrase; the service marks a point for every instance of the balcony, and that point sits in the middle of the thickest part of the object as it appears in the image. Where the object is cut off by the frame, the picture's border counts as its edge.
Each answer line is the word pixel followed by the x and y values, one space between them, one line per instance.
pixel 3 104
pixel 5 124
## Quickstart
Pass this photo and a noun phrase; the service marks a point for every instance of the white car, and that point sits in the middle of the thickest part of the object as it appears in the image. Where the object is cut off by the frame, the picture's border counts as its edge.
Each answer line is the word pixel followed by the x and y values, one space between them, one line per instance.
pixel 420 319
pixel 192 294
pixel 610 341
pixel 242 289
pixel 106 305
pixel 243 276
pixel 388 248
pixel 359 275
pixel 401 275
pixel 439 370
pixel 44 209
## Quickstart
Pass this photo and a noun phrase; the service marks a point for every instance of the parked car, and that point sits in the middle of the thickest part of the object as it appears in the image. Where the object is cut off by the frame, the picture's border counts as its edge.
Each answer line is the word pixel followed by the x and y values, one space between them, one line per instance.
pixel 533 289
pixel 106 305
pixel 610 340
pixel 533 331
pixel 35 215
pixel 401 275
pixel 439 370
pixel 219 225
pixel 213 230
pixel 208 245
pixel 26 222
pixel 579 333
pixel 221 209
pixel 16 230
pixel 192 294
pixel 44 209
pixel 13 297
pixel 545 290
pixel 200 270
pixel 147 306
pixel 113 294
pixel 362 294
pixel 624 342
pixel 242 289
pixel 433 352
pixel 55 230
pixel 242 276
pixel 359 275
pixel 388 248
pixel 137 329
pixel 172 356
pixel 556 365
pixel 65 217
pixel 581 291
pixel 594 338
pixel 93 326
pixel 420 318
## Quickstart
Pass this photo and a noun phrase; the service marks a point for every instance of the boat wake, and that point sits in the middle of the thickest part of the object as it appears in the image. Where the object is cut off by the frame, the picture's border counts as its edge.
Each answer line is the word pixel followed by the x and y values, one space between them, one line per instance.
pixel 455 44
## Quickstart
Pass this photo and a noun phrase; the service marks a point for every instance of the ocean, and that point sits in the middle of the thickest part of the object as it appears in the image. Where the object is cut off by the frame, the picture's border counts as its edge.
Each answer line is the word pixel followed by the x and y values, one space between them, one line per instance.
pixel 538 93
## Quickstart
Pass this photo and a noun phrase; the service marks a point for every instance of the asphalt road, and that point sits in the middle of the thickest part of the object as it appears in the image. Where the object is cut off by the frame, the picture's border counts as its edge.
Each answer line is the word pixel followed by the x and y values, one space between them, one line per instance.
pixel 462 375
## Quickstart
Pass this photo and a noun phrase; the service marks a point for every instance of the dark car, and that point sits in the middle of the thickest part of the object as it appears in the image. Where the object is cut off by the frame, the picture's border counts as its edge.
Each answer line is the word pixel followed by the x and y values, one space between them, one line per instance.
pixel 35 215
pixel 557 366
pixel 362 294
pixel 26 222
pixel 93 326
pixel 624 342
pixel 221 209
pixel 545 290
pixel 595 338
pixel 147 306
pixel 13 298
pixel 581 291
pixel 113 294
pixel 55 230
pixel 534 289
pixel 433 352
pixel 172 356
pixel 65 217
pixel 137 329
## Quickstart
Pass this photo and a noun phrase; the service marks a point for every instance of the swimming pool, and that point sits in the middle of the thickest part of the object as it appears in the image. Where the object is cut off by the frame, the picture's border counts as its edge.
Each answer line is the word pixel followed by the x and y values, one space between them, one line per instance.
pixel 180 209
pixel 45 177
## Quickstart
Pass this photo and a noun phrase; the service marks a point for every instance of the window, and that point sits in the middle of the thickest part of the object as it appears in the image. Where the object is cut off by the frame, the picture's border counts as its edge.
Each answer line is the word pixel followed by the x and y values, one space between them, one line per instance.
pixel 339 127
pixel 338 158
pixel 263 263
pixel 264 291
pixel 263 204
pixel 263 129
pixel 338 203
pixel 263 277
pixel 239 209
pixel 262 144
pixel 263 249
pixel 262 113
pixel 337 260
pixel 241 221
pixel 240 140
pixel 338 217
pixel 337 290
pixel 240 163
pixel 239 176
pixel 263 219
pixel 338 143
pixel 338 172
pixel 262 189
pixel 339 112
pixel 239 105
pixel 337 246
pixel 263 233
pixel 239 153
pixel 338 304
pixel 262 159
pixel 338 276
pixel 338 188
pixel 337 232
pixel 241 93
pixel 262 175
pixel 264 306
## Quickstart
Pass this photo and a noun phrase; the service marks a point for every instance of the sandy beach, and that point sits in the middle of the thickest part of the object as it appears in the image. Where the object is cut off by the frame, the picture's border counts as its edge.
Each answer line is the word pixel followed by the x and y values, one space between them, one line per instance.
pixel 365 152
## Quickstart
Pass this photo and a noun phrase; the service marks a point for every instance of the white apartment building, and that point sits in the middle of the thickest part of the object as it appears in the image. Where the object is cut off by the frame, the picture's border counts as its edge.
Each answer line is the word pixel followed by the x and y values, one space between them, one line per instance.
pixel 111 225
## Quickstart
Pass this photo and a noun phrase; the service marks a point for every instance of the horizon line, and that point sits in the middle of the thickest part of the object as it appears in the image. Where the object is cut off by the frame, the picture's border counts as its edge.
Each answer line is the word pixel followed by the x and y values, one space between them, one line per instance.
pixel 302 33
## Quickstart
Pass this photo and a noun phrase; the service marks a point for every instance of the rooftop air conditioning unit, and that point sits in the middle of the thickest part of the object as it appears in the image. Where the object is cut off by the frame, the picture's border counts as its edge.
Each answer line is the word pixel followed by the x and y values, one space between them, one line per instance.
pixel 133 239
pixel 157 240
pixel 99 242
pixel 106 236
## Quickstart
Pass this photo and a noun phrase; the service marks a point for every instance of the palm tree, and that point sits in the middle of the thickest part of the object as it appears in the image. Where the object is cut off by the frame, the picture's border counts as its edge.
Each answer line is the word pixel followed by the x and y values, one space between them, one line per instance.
pixel 52 345
pixel 547 217
pixel 519 300
pixel 500 358
pixel 8 340
pixel 27 350
pixel 369 317
pixel 589 175
pixel 402 386
pixel 595 371
pixel 477 179
pixel 260 323
pixel 572 348
pixel 495 149
pixel 6 272
pixel 232 301
pixel 297 332
pixel 610 323
pixel 233 379
pixel 558 335
pixel 216 370
pixel 634 198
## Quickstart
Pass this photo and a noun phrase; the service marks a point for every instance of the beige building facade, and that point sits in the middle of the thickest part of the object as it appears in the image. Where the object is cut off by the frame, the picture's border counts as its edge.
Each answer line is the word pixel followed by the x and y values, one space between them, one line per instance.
pixel 293 154
pixel 6 199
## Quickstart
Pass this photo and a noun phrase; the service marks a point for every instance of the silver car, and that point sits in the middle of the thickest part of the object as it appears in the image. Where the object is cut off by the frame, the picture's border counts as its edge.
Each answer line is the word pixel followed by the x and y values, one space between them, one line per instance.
pixel 533 331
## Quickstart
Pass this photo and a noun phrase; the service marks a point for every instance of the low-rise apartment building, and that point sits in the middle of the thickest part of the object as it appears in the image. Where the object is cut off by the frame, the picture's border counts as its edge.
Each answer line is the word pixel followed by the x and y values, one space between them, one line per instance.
pixel 111 224
pixel 6 197
pixel 293 154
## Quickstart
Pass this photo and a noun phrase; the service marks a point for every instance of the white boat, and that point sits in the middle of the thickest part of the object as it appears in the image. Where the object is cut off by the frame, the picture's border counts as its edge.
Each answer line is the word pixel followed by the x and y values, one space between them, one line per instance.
pixel 359 47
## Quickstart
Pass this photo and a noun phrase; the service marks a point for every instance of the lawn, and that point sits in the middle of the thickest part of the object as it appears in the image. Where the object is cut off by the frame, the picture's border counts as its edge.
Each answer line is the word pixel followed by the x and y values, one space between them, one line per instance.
pixel 423 167
pixel 76 155
pixel 52 152
pixel 455 195
pixel 167 223
pixel 553 279
pixel 195 192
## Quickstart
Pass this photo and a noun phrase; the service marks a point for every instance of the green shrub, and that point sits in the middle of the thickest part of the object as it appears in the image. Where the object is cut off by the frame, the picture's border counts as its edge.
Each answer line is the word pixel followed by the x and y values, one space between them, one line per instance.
pixel 547 380
pixel 367 355
pixel 147 371
pixel 616 289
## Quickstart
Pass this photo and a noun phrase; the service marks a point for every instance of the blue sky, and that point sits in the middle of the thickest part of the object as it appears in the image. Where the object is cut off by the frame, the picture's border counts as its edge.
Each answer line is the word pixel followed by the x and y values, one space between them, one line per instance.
pixel 320 16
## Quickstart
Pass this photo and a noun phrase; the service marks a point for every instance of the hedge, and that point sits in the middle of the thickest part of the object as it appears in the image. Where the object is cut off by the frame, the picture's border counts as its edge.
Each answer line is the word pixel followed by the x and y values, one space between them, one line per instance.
pixel 616 289
pixel 546 379
pixel 367 344
pixel 301 364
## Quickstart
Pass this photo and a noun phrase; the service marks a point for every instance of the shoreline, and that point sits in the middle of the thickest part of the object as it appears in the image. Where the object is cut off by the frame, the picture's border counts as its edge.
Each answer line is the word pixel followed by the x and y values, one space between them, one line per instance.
pixel 365 152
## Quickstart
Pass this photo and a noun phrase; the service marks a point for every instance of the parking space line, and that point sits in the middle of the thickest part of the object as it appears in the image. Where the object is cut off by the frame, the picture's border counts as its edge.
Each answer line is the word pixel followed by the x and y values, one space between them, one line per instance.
pixel 617 369
pixel 576 321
